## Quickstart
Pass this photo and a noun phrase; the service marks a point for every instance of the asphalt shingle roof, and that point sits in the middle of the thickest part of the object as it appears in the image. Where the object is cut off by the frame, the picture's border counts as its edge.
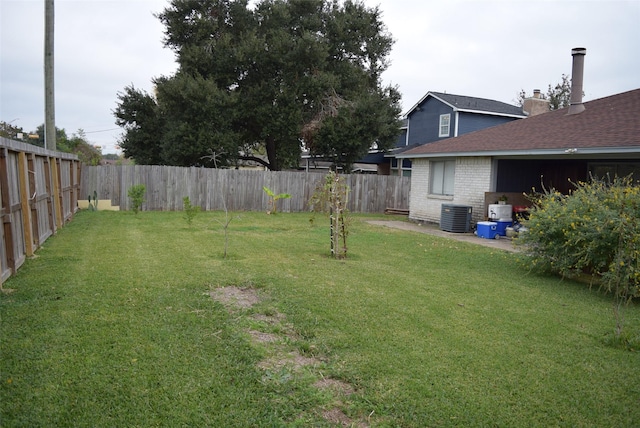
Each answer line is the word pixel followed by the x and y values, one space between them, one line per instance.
pixel 610 122
pixel 462 102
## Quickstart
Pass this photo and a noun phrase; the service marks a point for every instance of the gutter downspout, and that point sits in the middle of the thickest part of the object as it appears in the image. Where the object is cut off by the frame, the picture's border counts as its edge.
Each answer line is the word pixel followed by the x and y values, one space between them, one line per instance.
pixel 406 136
pixel 455 129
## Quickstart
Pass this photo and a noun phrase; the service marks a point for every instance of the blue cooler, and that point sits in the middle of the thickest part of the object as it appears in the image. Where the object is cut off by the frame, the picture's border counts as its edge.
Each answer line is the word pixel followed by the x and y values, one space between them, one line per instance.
pixel 503 223
pixel 487 229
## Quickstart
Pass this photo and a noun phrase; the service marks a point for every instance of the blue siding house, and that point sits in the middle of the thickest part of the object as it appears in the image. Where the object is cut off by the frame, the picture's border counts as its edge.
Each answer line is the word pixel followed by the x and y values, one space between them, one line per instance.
pixel 440 115
pixel 435 117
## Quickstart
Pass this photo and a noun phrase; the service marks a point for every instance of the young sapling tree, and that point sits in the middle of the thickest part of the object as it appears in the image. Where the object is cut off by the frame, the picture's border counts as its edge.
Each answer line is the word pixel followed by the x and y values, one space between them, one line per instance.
pixel 223 196
pixel 330 197
pixel 273 199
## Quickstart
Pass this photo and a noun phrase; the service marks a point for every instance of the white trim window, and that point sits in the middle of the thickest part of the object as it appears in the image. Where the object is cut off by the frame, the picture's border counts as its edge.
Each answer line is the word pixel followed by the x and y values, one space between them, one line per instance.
pixel 443 175
pixel 445 125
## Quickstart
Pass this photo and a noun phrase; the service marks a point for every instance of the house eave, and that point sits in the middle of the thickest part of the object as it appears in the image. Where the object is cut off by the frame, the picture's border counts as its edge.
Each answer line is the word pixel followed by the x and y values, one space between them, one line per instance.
pixel 566 153
pixel 416 104
pixel 454 108
pixel 463 110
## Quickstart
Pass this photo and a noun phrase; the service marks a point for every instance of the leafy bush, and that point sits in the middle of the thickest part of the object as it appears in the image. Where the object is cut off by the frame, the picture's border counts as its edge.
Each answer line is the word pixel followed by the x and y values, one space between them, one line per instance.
pixel 190 211
pixel 136 194
pixel 594 230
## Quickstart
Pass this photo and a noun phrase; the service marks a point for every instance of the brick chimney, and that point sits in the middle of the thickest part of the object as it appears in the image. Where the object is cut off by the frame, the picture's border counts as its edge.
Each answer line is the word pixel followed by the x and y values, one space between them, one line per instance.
pixel 577 74
pixel 535 105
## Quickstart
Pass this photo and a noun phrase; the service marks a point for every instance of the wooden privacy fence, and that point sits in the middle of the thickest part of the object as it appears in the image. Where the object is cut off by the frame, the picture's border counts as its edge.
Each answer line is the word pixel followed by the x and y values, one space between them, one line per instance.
pixel 38 194
pixel 242 190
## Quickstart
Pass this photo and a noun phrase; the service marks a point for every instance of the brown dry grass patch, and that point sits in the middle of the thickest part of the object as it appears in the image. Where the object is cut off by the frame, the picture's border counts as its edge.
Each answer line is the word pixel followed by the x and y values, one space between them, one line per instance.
pixel 232 296
pixel 242 298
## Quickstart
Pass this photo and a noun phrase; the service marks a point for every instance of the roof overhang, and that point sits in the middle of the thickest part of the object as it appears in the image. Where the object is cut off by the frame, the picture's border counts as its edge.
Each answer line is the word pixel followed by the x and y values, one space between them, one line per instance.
pixel 464 110
pixel 416 105
pixel 563 153
pixel 456 109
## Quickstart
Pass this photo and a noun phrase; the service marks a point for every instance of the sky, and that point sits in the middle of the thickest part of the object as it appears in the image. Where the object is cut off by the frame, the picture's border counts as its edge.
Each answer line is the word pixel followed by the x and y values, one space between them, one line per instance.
pixel 479 48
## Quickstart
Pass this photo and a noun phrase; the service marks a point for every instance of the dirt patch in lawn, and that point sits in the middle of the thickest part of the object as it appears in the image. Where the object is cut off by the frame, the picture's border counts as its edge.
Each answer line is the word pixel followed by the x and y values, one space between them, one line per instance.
pixel 336 386
pixel 233 298
pixel 261 337
pixel 240 297
pixel 338 417
pixel 280 357
pixel 274 319
pixel 292 360
pixel 341 391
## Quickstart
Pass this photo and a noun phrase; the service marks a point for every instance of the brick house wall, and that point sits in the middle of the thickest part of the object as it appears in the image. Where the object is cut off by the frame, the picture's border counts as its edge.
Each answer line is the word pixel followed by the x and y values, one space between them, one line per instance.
pixel 473 177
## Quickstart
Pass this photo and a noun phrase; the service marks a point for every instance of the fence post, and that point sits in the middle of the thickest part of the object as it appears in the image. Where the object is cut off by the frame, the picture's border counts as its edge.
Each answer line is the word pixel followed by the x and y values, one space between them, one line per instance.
pixel 75 181
pixel 23 183
pixel 57 197
pixel 5 215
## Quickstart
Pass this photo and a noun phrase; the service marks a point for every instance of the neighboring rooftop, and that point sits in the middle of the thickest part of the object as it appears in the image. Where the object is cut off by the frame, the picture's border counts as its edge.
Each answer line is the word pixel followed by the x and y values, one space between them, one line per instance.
pixel 473 105
pixel 608 125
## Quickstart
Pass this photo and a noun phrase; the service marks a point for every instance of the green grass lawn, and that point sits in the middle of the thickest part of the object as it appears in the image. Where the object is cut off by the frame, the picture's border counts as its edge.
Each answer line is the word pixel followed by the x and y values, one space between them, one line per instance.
pixel 112 324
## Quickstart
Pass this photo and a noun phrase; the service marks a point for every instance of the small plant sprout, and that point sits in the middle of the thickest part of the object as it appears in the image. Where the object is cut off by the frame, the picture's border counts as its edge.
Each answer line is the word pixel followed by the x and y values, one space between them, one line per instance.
pixel 190 211
pixel 136 194
pixel 93 206
pixel 273 199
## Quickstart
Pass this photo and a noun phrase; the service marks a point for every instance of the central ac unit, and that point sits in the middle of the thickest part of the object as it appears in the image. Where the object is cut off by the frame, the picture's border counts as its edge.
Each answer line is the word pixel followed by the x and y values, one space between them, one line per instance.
pixel 455 218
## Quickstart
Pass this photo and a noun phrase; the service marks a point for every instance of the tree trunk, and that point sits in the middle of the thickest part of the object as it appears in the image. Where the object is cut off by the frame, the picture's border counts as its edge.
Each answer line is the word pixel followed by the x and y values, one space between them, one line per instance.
pixel 270 144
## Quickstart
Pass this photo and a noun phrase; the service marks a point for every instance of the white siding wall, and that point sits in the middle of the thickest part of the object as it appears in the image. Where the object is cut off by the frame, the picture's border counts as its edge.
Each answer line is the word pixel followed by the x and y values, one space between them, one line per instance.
pixel 473 179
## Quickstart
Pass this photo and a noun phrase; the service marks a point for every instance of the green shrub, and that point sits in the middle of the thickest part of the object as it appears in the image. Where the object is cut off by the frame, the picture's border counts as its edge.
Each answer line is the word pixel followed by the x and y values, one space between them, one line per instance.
pixel 190 211
pixel 593 230
pixel 136 194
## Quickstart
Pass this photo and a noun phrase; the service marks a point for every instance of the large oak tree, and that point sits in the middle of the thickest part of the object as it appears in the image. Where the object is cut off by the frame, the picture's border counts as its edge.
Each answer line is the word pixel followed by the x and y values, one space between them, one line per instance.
pixel 265 79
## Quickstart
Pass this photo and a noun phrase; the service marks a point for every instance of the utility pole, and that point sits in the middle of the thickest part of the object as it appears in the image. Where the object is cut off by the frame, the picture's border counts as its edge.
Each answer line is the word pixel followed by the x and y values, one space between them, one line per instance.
pixel 49 97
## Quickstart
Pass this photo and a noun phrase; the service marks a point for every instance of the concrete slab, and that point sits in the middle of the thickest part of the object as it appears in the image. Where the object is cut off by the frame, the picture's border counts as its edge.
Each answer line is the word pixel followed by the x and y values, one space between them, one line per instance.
pixel 503 243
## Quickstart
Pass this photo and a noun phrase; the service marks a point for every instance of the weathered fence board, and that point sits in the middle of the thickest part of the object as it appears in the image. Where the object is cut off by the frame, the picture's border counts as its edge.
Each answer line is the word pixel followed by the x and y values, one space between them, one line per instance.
pixel 239 190
pixel 38 193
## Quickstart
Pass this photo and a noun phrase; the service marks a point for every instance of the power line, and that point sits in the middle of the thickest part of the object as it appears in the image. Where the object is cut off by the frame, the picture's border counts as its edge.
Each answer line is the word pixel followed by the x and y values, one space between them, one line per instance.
pixel 103 130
